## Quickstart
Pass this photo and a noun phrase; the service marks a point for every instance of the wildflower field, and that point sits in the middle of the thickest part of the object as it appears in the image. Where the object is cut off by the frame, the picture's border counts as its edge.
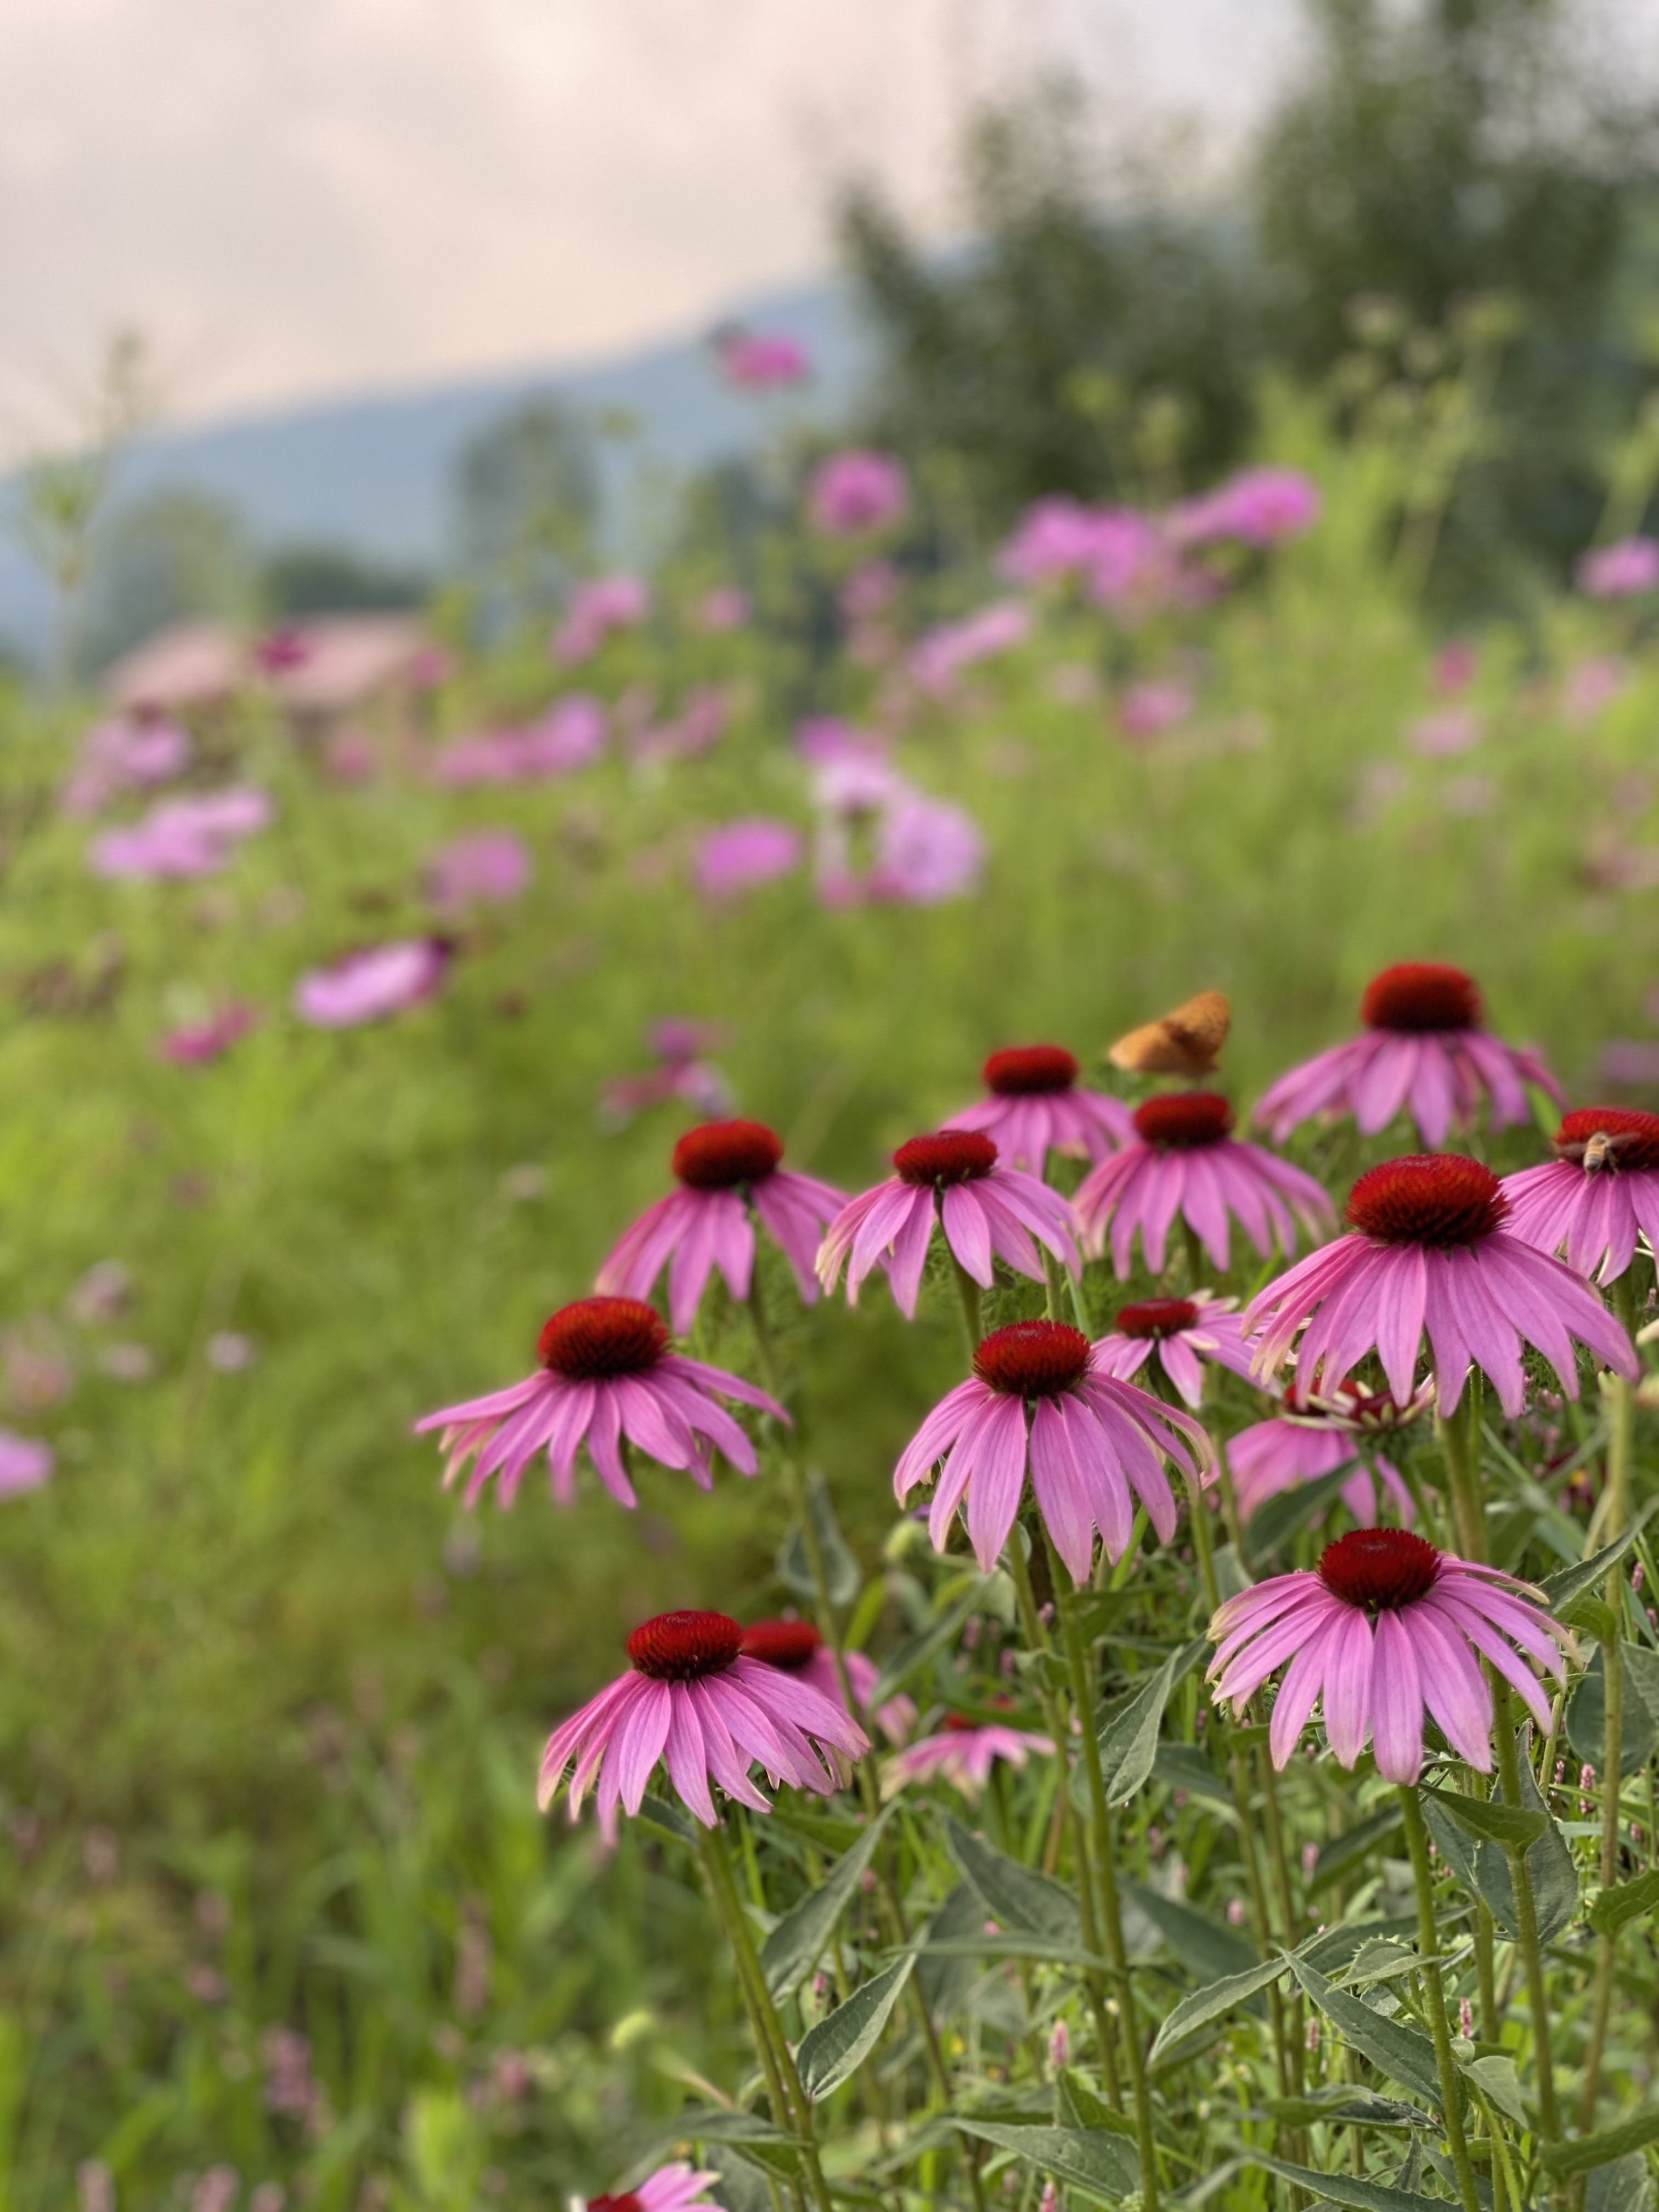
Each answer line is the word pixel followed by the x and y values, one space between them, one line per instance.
pixel 335 1069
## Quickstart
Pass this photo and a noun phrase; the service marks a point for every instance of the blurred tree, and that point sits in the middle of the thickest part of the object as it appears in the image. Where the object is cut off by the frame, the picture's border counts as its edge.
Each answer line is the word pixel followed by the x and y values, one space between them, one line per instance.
pixel 159 560
pixel 316 580
pixel 527 496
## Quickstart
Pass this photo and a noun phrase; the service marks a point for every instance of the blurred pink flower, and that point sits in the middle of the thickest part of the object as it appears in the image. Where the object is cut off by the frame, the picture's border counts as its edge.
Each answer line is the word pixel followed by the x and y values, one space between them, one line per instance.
pixel 1453 730
pixel 1620 571
pixel 1629 1065
pixel 432 667
pixel 962 1754
pixel 756 360
pixel 279 650
pixel 1060 537
pixel 725 608
pixel 350 756
pixel 183 837
pixel 195 1043
pixel 741 855
pixel 1260 506
pixel 856 491
pixel 25 1463
pixel 1455 667
pixel 371 985
pixel 1147 708
pixel 487 867
pixel 927 852
pixel 128 753
pixel 939 657
pixel 699 724
pixel 683 1074
pixel 570 735
pixel 594 610
pixel 869 591
pixel 1593 685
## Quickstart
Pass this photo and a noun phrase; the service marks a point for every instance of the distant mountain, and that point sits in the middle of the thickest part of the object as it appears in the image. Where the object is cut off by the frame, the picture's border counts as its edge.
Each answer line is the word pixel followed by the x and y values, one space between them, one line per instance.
pixel 373 474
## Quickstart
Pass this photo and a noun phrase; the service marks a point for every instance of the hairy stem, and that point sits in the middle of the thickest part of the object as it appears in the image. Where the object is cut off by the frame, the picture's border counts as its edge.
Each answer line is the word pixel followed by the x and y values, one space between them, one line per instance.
pixel 1526 1920
pixel 1428 1944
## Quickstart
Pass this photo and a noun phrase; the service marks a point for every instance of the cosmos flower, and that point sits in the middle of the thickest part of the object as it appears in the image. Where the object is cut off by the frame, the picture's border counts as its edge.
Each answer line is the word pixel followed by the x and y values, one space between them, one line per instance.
pixel 1424 1053
pixel 604 1373
pixel 1036 1108
pixel 1177 1333
pixel 1260 506
pixel 487 865
pixel 372 986
pixel 1384 1628
pixel 1061 537
pixel 985 1209
pixel 1598 1194
pixel 939 657
pixel 183 837
pixel 927 852
pixel 742 855
pixel 724 1169
pixel 1618 572
pixel 670 2189
pixel 1310 1437
pixel 128 753
pixel 25 1462
pixel 1041 1397
pixel 1433 1255
pixel 692 1700
pixel 962 1754
pixel 1183 1163
pixel 857 491
pixel 195 1043
pixel 798 1648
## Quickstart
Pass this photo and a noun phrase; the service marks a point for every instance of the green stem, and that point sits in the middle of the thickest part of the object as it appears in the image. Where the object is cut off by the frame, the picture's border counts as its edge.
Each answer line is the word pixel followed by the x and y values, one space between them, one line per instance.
pixel 967 1291
pixel 1279 1868
pixel 1428 1944
pixel 1459 1437
pixel 1526 1919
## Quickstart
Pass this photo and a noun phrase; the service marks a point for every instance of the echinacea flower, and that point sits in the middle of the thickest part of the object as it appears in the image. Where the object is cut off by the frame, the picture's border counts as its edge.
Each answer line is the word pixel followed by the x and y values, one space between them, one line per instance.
pixel 372 986
pixel 961 1753
pixel 670 2189
pixel 1177 1333
pixel 1596 1196
pixel 1384 1628
pixel 1040 1396
pixel 798 1648
pixel 692 1699
pixel 985 1209
pixel 1424 1053
pixel 725 1170
pixel 1311 1437
pixel 1432 1256
pixel 606 1373
pixel 1184 1163
pixel 1036 1108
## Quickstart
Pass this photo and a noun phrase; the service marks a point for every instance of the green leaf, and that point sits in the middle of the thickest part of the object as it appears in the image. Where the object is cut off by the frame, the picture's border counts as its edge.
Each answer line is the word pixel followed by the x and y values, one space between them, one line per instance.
pixel 1561 1587
pixel 1337 1858
pixel 946 1973
pixel 1549 1862
pixel 911 1657
pixel 1591 2151
pixel 792 1949
pixel 1089 2158
pixel 1271 1526
pixel 1360 2107
pixel 1186 1768
pixel 1211 2002
pixel 1492 1822
pixel 743 2187
pixel 1082 2105
pixel 1624 2185
pixel 1617 1907
pixel 833 2050
pixel 1207 1947
pixel 667 1820
pixel 1012 1894
pixel 1638 1726
pixel 1128 1741
pixel 841 1568
pixel 1405 2054
pixel 1346 2188
pixel 1499 2084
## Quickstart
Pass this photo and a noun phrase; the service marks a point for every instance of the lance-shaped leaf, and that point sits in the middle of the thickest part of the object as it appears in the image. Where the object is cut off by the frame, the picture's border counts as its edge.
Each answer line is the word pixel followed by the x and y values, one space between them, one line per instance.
pixel 1549 1862
pixel 792 1949
pixel 1589 2152
pixel 1337 1858
pixel 911 1657
pixel 1499 2083
pixel 1617 1907
pixel 1089 2158
pixel 1348 2189
pixel 1625 2185
pixel 1210 2002
pixel 1206 1947
pixel 1405 2054
pixel 1638 1722
pixel 1490 1822
pixel 833 2050
pixel 1128 1741
pixel 1561 1587
pixel 743 2187
pixel 1274 1523
pixel 1013 1894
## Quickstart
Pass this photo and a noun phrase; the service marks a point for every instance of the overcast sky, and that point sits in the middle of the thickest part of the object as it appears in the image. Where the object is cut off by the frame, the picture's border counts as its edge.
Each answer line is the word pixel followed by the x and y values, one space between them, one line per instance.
pixel 294 197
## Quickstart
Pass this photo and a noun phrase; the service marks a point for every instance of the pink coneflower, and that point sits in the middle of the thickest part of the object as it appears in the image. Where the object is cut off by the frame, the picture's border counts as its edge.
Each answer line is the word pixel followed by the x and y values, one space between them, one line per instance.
pixel 857 491
pixel 1311 1437
pixel 1383 1628
pixel 606 1373
pixel 372 986
pixel 1618 572
pixel 1036 1108
pixel 743 854
pixel 670 2189
pixel 985 1209
pixel 692 1699
pixel 1424 1053
pixel 1092 1439
pixel 725 1168
pixel 798 1648
pixel 1178 1333
pixel 1183 1163
pixel 1432 1254
pixel 961 1753
pixel 1598 1194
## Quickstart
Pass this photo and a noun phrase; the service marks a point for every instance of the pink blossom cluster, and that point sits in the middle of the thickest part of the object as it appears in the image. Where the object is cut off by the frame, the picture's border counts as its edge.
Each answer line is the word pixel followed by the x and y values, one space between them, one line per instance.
pixel 130 752
pixel 571 735
pixel 183 837
pixel 595 611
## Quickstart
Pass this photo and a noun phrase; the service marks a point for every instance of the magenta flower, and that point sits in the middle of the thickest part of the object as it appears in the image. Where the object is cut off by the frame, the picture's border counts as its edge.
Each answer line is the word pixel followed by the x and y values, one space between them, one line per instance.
pixel 869 593
pixel 594 610
pixel 1451 730
pixel 670 2189
pixel 487 865
pixel 725 1170
pixel 1424 1053
pixel 1618 572
pixel 372 986
pixel 927 852
pixel 692 1700
pixel 857 491
pixel 961 1753
pixel 681 1072
pixel 1592 686
pixel 1599 1194
pixel 128 753
pixel 25 1462
pixel 570 735
pixel 196 1043
pixel 1262 507
pixel 741 855
pixel 798 1648
pixel 1115 546
pixel 1432 1254
pixel 604 1373
pixel 985 1209
pixel 940 656
pixel 1184 1164
pixel 184 837
pixel 1178 1333
pixel 756 361
pixel 1145 710
pixel 1041 1396
pixel 1036 1108
pixel 1384 1628
pixel 1311 1437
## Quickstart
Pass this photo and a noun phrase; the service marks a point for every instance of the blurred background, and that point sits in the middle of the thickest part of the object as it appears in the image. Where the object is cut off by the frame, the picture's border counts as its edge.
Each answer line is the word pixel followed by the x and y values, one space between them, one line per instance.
pixel 476 495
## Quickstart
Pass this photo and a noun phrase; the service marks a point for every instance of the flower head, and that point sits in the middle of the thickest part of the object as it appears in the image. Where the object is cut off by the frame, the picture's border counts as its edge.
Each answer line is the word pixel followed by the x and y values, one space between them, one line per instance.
pixel 1598 1193
pixel 692 1699
pixel 1618 572
pixel 606 1372
pixel 1424 1053
pixel 962 1753
pixel 1177 1333
pixel 372 986
pixel 195 1043
pixel 1184 1162
pixel 25 1463
pixel 856 491
pixel 1310 1436
pixel 595 609
pixel 798 1648
pixel 742 855
pixel 985 1209
pixel 488 866
pixel 1036 1108
pixel 761 360
pixel 727 1171
pixel 670 2189
pixel 1260 506
pixel 1432 1256
pixel 1384 1628
pixel 1041 1396
pixel 183 837
pixel 681 1072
